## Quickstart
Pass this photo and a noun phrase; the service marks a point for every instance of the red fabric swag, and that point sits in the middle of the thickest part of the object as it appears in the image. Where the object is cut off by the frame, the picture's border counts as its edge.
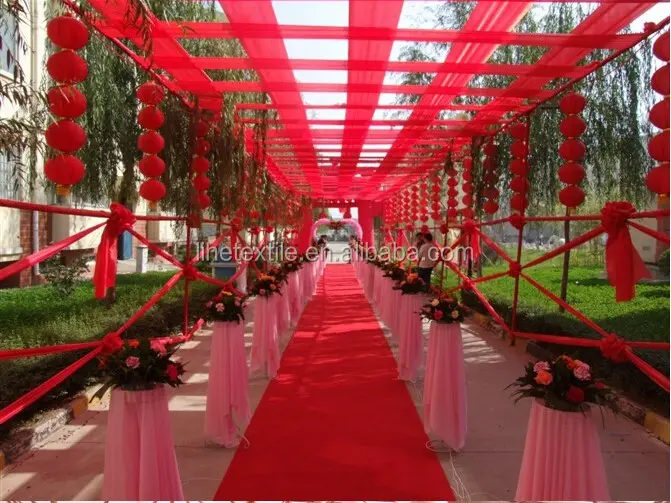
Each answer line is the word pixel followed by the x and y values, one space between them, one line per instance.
pixel 623 263
pixel 104 274
pixel 470 228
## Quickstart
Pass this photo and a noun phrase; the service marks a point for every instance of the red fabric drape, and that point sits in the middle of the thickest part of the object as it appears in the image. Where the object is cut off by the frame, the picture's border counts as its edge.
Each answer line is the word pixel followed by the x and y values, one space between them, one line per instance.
pixel 623 263
pixel 104 274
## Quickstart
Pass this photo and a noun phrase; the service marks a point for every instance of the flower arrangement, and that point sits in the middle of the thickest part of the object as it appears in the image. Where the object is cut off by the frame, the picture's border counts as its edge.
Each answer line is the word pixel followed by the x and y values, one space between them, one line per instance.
pixel 138 364
pixel 225 306
pixel 265 286
pixel 412 284
pixel 280 275
pixel 336 224
pixel 292 265
pixel 564 384
pixel 443 310
pixel 394 271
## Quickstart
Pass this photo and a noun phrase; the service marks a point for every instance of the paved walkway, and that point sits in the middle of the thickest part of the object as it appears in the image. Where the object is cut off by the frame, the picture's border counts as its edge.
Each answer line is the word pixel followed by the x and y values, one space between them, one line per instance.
pixel 69 464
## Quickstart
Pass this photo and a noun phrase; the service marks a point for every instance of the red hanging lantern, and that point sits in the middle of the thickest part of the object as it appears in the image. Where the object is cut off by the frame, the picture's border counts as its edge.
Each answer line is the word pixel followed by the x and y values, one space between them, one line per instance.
pixel 150 117
pixel 661 47
pixel 151 166
pixel 150 142
pixel 153 191
pixel 519 184
pixel 67 67
pixel 572 126
pixel 519 131
pixel 519 149
pixel 201 182
pixel 66 101
pixel 202 147
pixel 204 200
pixel 572 104
pixel 572 150
pixel 64 170
pixel 519 167
pixel 150 93
pixel 571 196
pixel 65 135
pixel 200 164
pixel 572 173
pixel 659 146
pixel 519 202
pixel 67 32
pixel 659 114
pixel 202 128
pixel 657 180
pixel 490 207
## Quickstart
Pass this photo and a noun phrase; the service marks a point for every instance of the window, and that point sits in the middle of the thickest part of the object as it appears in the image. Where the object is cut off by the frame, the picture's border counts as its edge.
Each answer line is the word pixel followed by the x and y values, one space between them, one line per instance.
pixel 9 164
pixel 9 42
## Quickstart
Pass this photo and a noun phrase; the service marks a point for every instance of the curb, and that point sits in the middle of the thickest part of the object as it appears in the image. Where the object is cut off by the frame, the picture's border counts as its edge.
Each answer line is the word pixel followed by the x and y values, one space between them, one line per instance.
pixel 23 439
pixel 655 424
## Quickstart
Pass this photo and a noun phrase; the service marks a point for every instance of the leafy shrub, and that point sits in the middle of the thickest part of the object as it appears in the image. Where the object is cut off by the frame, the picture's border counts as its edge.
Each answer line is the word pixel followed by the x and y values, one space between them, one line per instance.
pixel 663 262
pixel 62 277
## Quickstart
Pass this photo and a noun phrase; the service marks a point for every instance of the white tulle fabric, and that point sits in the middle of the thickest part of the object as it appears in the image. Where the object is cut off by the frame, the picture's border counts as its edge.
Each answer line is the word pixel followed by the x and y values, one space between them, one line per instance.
pixel 140 462
pixel 445 413
pixel 265 341
pixel 227 411
pixel 411 343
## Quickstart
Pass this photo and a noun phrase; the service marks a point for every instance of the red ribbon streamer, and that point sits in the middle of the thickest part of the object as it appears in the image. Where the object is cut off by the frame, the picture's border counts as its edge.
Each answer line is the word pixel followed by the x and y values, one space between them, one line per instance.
pixel 623 263
pixel 104 274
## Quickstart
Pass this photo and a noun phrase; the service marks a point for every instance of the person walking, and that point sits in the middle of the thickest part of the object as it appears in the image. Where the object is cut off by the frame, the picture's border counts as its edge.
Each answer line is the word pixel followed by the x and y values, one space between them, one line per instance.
pixel 427 260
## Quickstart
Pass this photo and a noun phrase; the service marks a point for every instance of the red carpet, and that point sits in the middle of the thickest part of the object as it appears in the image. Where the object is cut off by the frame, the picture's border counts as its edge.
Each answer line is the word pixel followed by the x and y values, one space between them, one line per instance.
pixel 336 424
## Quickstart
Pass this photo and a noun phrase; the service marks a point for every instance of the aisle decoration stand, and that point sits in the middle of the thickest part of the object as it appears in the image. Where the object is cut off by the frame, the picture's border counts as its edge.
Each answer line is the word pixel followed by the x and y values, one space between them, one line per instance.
pixel 444 397
pixel 227 411
pixel 562 456
pixel 411 343
pixel 395 273
pixel 282 305
pixel 140 461
pixel 265 339
pixel 292 269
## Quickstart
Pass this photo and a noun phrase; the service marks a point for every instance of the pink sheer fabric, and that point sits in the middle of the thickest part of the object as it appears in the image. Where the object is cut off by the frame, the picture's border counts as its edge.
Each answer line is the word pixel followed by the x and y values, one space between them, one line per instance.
pixel 283 314
pixel 377 286
pixel 227 410
pixel 265 341
pixel 369 281
pixel 395 314
pixel 445 386
pixel 294 295
pixel 386 300
pixel 562 458
pixel 411 344
pixel 140 462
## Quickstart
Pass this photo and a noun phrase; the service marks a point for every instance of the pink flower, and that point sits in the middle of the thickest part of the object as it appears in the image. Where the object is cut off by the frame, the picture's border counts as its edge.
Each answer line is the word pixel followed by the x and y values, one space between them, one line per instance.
pixel 244 306
pixel 208 304
pixel 158 347
pixel 262 291
pixel 426 309
pixel 438 314
pixel 220 307
pixel 172 371
pixel 132 362
pixel 541 366
pixel 582 372
pixel 273 287
pixel 237 303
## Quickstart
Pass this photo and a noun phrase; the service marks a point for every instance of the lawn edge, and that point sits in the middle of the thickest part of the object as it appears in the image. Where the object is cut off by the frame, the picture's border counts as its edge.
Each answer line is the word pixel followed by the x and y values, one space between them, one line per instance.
pixel 654 423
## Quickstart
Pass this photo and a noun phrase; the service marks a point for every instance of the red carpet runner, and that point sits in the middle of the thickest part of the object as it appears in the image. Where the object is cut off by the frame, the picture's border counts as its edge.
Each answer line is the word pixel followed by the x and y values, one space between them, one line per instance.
pixel 336 424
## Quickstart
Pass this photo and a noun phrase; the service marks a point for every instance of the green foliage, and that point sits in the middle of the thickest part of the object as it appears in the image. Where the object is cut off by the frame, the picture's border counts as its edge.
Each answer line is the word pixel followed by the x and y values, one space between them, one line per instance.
pixel 63 278
pixel 663 262
pixel 39 316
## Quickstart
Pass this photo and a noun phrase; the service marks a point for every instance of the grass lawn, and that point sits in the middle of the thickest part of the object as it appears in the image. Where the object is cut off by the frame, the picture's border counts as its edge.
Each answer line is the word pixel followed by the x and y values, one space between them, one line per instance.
pixel 39 316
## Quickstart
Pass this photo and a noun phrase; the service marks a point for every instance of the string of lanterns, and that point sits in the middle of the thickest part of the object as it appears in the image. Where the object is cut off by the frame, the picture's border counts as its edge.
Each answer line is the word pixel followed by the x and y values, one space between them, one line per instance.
pixel 491 178
pixel 202 147
pixel 657 179
pixel 66 102
pixel 436 188
pixel 572 150
pixel 519 167
pixel 467 187
pixel 151 143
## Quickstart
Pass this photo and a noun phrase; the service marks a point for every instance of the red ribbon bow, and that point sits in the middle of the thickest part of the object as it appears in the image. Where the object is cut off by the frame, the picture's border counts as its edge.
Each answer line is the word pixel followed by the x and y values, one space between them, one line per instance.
pixel 623 263
pixel 190 272
pixel 111 343
pixel 470 229
pixel 104 274
pixel 614 348
pixel 515 269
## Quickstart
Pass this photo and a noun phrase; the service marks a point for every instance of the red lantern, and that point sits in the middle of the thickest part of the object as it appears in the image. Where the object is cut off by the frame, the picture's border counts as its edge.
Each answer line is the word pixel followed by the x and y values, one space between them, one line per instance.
pixel 452 213
pixel 659 147
pixel 67 67
pixel 67 32
pixel 659 114
pixel 519 184
pixel 660 81
pixel 201 182
pixel 65 170
pixel 202 128
pixel 202 147
pixel 661 47
pixel 657 180
pixel 150 142
pixel 572 173
pixel 66 101
pixel 572 150
pixel 571 196
pixel 519 167
pixel 519 202
pixel 65 135
pixel 519 131
pixel 491 192
pixel 150 117
pixel 572 103
pixel 200 164
pixel 152 190
pixel 572 126
pixel 490 207
pixel 204 200
pixel 466 176
pixel 467 187
pixel 452 192
pixel 150 93
pixel 467 200
pixel 490 150
pixel 151 166
pixel 519 149
pixel 468 213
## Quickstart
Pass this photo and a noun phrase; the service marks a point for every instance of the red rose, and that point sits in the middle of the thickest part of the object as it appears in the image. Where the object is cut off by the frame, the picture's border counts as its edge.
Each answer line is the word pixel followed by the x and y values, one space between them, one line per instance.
pixel 173 372
pixel 437 315
pixel 575 394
